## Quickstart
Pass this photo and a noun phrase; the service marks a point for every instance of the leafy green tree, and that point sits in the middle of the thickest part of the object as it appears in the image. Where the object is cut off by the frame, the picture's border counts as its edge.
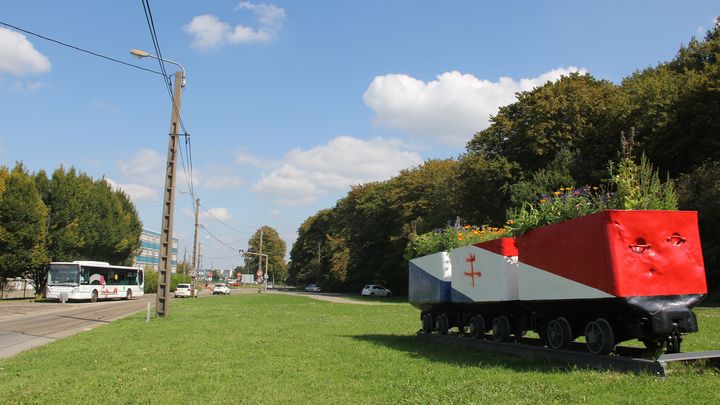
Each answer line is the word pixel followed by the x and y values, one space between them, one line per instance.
pixel 273 246
pixel 555 176
pixel 577 113
pixel 23 224
pixel 484 186
pixel 424 198
pixel 676 106
pixel 65 240
pixel 700 191
pixel 183 268
pixel 90 221
pixel 309 249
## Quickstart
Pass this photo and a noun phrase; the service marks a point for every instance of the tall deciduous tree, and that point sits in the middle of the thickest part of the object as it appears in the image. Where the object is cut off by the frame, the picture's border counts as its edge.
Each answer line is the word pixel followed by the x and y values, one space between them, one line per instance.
pixel 484 188
pixel 577 113
pixel 273 246
pixel 23 226
pixel 90 221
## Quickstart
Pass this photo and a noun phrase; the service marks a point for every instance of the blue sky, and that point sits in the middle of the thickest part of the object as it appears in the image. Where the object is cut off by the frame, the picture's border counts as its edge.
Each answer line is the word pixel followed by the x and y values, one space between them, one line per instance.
pixel 289 103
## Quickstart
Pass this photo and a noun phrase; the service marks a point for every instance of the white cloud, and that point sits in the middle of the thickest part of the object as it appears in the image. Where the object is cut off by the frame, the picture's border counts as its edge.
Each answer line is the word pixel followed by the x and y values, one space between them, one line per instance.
pixel 344 161
pixel 209 32
pixel 448 110
pixel 269 15
pixel 30 86
pixel 19 57
pixel 147 168
pixel 220 177
pixel 220 182
pixel 143 175
pixel 244 157
pixel 136 192
pixel 101 105
pixel 219 213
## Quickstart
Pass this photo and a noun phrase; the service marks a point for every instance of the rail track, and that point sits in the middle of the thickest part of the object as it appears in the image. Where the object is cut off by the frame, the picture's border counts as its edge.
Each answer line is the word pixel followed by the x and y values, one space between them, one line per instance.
pixel 626 359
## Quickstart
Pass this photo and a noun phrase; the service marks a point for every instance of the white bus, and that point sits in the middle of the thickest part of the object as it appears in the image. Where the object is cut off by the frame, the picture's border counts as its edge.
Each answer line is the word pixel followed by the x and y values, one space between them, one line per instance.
pixel 85 280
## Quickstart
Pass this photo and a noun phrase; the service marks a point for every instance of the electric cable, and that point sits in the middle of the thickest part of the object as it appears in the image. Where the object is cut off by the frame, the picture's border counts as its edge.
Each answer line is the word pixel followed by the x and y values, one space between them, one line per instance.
pixel 187 169
pixel 219 241
pixel 216 218
pixel 77 48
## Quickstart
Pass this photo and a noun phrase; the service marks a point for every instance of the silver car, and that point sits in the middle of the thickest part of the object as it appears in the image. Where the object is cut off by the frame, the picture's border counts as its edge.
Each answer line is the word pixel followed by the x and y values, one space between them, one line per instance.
pixel 184 290
pixel 221 289
pixel 373 290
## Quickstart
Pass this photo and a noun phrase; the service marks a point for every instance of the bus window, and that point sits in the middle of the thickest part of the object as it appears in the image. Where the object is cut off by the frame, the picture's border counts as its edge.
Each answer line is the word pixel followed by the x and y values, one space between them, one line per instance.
pixel 131 277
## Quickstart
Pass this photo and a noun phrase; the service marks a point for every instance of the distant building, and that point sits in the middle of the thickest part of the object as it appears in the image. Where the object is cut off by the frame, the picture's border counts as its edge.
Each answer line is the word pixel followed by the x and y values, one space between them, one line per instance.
pixel 150 250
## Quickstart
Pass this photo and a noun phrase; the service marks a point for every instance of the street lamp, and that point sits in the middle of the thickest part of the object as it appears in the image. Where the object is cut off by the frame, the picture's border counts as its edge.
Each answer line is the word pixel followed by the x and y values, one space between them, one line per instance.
pixel 165 268
pixel 139 53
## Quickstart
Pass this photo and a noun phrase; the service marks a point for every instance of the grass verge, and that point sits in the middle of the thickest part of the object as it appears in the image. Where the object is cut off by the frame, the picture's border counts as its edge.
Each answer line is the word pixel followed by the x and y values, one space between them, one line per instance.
pixel 272 348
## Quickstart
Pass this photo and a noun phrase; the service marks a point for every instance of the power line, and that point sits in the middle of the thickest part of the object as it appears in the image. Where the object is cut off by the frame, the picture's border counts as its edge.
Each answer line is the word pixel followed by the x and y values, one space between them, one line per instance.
pixel 222 257
pixel 79 49
pixel 187 169
pixel 216 218
pixel 219 241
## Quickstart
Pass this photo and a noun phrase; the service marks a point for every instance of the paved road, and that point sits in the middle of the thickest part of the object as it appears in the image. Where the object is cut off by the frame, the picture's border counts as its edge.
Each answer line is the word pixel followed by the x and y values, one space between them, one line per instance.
pixel 24 325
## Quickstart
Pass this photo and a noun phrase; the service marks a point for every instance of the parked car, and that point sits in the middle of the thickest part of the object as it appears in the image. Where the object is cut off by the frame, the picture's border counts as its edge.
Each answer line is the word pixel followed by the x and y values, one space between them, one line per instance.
pixel 372 290
pixel 312 288
pixel 221 289
pixel 269 285
pixel 184 290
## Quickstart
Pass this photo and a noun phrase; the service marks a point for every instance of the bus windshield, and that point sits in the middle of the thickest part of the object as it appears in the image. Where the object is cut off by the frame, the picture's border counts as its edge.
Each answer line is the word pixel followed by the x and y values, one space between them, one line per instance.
pixel 63 274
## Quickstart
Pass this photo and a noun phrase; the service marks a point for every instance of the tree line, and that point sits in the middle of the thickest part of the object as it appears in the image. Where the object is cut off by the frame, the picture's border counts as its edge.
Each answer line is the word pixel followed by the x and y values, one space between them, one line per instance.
pixel 66 217
pixel 561 134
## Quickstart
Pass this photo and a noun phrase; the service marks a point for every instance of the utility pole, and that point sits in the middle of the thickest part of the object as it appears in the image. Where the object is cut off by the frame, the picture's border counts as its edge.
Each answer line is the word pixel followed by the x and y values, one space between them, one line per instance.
pixel 260 261
pixel 195 242
pixel 162 305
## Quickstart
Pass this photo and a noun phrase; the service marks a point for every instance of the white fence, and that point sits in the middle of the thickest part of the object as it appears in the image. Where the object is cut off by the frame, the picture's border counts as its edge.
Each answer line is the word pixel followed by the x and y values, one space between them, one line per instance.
pixel 17 288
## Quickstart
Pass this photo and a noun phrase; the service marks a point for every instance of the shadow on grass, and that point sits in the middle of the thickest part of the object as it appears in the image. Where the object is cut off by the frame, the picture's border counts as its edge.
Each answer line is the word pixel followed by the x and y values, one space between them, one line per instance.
pixel 462 356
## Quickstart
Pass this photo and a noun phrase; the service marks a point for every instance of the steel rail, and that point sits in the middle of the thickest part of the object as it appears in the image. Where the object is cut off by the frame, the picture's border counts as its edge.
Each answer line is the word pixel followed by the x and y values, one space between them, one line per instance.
pixel 627 360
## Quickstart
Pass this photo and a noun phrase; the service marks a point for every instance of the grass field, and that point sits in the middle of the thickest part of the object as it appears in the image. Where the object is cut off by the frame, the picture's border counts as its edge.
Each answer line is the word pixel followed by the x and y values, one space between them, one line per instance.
pixel 271 348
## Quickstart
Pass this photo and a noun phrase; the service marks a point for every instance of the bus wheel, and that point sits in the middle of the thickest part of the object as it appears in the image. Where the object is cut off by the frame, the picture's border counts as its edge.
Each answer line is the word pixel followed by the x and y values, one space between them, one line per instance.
pixel 129 295
pixel 94 296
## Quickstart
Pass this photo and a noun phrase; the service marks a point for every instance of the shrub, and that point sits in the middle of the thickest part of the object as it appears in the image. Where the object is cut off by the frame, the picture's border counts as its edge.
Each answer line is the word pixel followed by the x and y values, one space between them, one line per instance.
pixel 450 237
pixel 637 187
pixel 151 281
pixel 557 207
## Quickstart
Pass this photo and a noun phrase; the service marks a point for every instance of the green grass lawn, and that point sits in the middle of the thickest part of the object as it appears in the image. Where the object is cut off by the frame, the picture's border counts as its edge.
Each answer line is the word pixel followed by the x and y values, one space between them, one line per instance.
pixel 267 348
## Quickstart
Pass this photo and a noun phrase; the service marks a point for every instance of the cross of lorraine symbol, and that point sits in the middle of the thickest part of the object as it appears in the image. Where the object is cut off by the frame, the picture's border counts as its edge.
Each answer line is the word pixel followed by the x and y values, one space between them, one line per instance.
pixel 472 273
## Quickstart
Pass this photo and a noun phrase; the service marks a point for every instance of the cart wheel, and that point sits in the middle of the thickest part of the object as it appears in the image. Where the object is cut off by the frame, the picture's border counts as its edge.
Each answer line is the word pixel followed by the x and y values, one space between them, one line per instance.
pixel 427 325
pixel 599 336
pixel 441 323
pixel 501 329
pixel 477 327
pixel 559 334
